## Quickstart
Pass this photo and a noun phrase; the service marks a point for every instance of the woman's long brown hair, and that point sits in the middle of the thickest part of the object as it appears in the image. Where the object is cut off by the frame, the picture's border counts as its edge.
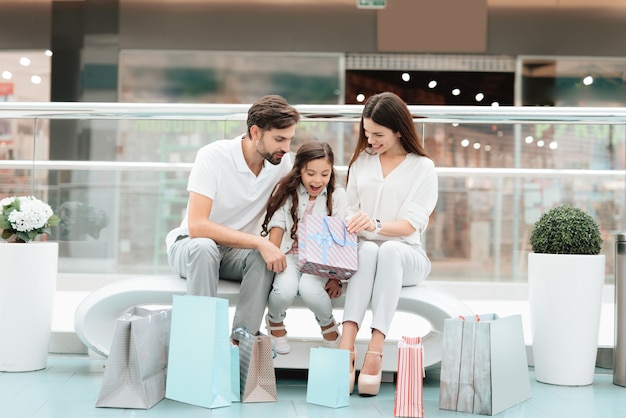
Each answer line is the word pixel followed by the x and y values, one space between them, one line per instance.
pixel 288 186
pixel 389 110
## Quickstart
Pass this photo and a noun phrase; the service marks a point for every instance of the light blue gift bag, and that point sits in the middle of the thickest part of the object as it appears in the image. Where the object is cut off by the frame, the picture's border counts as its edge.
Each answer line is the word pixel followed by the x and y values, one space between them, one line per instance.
pixel 235 381
pixel 199 366
pixel 329 377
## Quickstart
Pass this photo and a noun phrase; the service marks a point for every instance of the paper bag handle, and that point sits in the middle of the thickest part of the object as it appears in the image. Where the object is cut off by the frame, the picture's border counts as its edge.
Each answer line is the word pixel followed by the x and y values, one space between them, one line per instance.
pixel 476 315
pixel 341 243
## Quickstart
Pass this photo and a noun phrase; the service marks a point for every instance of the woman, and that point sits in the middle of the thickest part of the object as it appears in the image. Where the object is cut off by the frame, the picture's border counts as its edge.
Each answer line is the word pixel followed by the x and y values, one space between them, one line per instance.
pixel 392 190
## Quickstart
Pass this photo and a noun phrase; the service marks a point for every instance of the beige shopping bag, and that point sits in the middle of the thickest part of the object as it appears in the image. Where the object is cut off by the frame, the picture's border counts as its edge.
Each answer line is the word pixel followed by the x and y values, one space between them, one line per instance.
pixel 484 369
pixel 256 361
pixel 136 369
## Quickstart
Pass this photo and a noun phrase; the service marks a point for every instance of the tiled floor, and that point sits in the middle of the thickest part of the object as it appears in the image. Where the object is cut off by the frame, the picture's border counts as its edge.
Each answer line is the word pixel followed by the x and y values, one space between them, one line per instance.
pixel 68 388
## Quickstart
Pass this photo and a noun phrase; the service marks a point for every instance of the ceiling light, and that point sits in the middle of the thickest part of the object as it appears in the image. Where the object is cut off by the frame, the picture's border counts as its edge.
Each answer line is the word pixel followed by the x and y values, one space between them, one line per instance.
pixel 25 61
pixel 7 75
pixel 406 76
pixel 465 142
pixel 529 139
pixel 35 79
pixel 476 145
pixel 495 104
pixel 541 143
pixel 554 145
pixel 456 92
pixel 479 97
pixel 432 84
pixel 360 97
pixel 48 53
pixel 587 81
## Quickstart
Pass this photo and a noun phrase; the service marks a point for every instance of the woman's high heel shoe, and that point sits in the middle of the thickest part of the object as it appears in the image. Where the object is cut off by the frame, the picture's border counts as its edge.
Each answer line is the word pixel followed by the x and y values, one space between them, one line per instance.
pixel 369 384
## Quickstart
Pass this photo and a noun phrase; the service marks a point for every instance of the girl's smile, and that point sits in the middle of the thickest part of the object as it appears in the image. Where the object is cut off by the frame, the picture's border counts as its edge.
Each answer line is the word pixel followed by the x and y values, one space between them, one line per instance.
pixel 315 176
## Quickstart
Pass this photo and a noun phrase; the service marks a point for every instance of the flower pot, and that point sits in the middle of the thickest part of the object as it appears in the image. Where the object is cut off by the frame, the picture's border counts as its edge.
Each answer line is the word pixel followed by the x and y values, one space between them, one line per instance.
pixel 27 288
pixel 565 297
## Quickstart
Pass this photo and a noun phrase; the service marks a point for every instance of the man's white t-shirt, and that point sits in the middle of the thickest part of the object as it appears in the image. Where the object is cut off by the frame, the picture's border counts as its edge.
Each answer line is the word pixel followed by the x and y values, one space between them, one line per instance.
pixel 239 197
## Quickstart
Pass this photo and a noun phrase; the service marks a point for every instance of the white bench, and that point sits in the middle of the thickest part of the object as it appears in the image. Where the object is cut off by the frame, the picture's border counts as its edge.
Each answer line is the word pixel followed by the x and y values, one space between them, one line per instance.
pixel 95 317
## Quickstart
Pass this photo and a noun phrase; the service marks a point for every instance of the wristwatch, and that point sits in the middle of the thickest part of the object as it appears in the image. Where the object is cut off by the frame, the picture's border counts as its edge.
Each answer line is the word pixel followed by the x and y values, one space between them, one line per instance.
pixel 378 227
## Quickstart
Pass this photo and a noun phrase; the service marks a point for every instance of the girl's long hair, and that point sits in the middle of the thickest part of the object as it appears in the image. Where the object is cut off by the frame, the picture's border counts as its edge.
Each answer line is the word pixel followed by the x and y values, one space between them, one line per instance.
pixel 389 110
pixel 287 187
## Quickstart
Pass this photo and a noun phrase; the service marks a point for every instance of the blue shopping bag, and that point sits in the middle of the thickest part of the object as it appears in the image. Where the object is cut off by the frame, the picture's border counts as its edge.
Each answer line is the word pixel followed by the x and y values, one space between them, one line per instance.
pixel 328 383
pixel 234 373
pixel 199 364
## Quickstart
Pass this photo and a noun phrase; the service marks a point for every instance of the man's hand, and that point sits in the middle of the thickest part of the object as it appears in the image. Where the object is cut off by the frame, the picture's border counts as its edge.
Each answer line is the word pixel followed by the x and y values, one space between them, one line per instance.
pixel 274 258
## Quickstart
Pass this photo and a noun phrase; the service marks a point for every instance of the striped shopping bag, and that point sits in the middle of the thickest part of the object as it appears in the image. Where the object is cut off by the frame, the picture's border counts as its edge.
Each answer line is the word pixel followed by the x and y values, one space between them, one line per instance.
pixel 409 400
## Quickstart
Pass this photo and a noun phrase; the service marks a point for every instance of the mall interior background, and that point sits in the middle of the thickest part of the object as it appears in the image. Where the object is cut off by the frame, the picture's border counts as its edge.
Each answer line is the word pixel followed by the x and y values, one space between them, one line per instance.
pixel 495 52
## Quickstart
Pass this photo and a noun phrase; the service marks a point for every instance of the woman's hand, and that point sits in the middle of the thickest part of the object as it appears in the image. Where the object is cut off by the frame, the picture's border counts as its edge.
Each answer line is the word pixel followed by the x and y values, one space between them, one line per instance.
pixel 333 288
pixel 360 221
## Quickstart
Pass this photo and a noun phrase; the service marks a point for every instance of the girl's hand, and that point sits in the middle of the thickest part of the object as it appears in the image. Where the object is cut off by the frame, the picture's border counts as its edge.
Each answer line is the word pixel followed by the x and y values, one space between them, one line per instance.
pixel 360 221
pixel 333 288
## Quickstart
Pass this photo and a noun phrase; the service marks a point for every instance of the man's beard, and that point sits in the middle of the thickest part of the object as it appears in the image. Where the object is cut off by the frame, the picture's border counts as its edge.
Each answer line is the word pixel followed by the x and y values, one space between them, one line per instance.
pixel 271 158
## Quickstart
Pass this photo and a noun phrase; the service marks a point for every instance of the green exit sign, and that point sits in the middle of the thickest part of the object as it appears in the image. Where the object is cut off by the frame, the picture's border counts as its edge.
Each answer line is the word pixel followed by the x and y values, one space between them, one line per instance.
pixel 371 4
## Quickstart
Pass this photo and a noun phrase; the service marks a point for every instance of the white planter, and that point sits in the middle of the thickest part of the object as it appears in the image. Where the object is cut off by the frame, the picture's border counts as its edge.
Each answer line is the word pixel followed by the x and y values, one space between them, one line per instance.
pixel 565 297
pixel 27 287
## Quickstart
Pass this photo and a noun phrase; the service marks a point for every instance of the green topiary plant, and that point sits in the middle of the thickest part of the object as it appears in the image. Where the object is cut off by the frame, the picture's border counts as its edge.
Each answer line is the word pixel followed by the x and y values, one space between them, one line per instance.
pixel 566 230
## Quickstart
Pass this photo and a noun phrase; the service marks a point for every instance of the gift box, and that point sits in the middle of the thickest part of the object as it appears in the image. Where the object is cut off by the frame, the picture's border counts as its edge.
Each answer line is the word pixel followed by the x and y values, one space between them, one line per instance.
pixel 326 248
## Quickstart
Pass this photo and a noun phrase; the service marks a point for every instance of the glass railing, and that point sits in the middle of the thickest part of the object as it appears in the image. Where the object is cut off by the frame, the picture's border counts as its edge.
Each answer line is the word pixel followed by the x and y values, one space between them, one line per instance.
pixel 116 175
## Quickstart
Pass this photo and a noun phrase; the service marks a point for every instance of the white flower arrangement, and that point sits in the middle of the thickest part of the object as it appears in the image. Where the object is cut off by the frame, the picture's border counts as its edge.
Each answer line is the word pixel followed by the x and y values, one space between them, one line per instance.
pixel 23 218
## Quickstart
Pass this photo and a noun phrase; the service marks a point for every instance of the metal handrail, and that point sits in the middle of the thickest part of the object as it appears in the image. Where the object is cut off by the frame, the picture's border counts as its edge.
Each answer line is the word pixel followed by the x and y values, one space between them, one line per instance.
pixel 441 171
pixel 178 111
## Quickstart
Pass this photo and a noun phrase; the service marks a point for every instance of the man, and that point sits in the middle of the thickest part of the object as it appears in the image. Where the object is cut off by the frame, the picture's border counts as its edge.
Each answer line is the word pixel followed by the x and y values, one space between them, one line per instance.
pixel 229 185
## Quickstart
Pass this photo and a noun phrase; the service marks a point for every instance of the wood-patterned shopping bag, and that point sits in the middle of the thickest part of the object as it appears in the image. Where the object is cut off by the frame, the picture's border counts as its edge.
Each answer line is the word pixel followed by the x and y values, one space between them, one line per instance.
pixel 484 369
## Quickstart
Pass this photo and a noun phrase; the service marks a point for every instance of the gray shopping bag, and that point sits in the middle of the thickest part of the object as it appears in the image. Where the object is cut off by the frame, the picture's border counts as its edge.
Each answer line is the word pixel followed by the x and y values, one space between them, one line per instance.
pixel 484 369
pixel 136 369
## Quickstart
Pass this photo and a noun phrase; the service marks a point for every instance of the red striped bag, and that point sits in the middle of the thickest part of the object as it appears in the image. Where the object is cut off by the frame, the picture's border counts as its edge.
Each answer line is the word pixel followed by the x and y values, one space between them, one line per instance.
pixel 409 400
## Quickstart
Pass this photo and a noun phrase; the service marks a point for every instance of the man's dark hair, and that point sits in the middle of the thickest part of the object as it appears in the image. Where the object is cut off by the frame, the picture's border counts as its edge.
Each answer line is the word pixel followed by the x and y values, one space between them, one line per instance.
pixel 272 112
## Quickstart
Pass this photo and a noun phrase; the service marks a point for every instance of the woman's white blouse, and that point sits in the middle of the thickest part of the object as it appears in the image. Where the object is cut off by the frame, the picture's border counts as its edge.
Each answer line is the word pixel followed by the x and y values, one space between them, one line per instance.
pixel 408 192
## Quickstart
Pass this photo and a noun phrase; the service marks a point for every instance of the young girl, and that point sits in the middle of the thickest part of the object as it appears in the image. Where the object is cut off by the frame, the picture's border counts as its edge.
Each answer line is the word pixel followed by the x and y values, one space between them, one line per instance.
pixel 308 189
